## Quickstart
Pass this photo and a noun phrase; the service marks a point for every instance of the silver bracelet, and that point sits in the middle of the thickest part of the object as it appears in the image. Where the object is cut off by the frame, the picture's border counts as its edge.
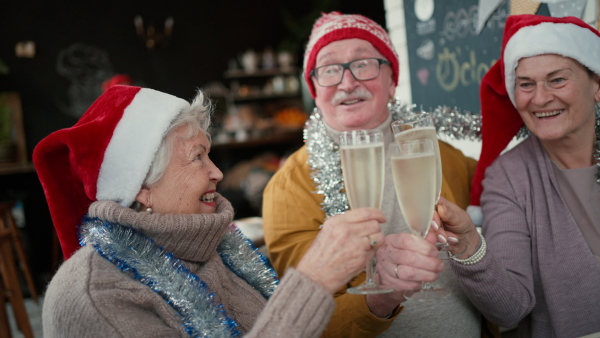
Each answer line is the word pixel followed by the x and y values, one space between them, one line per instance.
pixel 477 256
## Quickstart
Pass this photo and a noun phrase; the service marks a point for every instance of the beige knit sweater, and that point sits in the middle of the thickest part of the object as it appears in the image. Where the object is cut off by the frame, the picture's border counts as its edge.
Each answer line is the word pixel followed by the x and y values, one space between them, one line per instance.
pixel 90 297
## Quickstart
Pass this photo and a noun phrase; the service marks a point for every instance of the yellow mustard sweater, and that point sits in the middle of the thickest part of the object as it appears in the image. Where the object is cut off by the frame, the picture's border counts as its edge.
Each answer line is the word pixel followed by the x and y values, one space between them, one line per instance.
pixel 292 216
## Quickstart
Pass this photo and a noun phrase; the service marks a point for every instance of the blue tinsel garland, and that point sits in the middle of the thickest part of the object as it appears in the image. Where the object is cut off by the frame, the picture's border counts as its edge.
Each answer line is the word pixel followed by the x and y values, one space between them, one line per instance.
pixel 148 263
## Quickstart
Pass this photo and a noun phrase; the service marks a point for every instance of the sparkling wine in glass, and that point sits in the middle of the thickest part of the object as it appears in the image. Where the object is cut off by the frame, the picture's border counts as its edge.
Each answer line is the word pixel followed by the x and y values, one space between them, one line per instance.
pixel 414 173
pixel 363 163
pixel 420 126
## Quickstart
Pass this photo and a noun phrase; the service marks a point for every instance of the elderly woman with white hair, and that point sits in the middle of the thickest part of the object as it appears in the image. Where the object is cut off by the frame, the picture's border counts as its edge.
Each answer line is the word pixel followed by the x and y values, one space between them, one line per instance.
pixel 149 244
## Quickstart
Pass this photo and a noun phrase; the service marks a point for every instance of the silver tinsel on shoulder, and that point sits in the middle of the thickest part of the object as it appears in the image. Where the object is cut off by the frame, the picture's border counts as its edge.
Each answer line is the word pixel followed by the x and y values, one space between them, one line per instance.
pixel 148 263
pixel 451 122
pixel 324 160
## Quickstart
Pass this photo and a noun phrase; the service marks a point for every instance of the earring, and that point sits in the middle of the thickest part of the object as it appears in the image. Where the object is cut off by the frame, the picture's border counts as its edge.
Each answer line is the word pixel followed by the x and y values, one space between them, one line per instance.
pixel 149 210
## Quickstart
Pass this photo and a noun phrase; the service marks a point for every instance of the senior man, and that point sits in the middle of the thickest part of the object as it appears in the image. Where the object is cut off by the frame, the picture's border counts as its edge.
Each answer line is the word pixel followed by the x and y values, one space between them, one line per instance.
pixel 352 69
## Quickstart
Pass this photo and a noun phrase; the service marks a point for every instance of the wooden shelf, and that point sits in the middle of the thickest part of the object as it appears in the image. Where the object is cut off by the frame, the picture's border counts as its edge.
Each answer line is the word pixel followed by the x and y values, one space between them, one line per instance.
pixel 261 96
pixel 16 168
pixel 238 73
pixel 274 138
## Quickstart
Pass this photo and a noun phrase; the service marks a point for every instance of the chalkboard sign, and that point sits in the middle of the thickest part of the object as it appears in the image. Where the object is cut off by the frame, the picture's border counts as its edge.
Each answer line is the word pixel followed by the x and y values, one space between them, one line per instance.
pixel 447 58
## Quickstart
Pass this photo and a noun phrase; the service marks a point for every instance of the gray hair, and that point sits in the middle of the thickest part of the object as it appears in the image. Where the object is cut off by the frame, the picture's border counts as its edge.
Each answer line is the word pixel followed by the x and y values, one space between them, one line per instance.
pixel 197 118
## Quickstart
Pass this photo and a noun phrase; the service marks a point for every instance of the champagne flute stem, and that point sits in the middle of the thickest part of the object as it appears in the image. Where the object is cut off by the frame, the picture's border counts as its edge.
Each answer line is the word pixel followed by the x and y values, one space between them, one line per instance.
pixel 370 265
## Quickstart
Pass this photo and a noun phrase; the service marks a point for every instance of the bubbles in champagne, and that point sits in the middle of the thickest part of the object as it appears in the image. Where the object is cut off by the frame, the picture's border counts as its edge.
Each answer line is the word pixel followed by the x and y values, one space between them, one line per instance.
pixel 414 180
pixel 363 170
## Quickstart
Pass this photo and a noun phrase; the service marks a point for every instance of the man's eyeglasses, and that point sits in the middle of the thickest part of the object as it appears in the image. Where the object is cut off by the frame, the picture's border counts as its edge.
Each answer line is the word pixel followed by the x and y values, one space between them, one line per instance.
pixel 362 70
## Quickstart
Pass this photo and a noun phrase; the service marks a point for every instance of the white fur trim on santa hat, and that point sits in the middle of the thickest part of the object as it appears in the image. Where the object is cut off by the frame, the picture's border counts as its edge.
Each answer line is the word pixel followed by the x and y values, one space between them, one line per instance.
pixel 564 39
pixel 134 143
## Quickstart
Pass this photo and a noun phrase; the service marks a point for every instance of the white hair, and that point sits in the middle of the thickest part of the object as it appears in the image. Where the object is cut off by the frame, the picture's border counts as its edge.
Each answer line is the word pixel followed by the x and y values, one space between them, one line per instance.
pixel 197 118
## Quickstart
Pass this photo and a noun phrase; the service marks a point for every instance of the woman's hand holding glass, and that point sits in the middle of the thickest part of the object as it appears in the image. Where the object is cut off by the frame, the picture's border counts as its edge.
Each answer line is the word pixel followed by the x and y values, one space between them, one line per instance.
pixel 457 224
pixel 421 126
pixel 414 173
pixel 343 247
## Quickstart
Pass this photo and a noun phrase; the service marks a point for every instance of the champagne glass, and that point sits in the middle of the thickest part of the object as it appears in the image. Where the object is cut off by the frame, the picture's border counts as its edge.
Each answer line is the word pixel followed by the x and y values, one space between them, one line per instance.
pixel 363 163
pixel 420 126
pixel 414 174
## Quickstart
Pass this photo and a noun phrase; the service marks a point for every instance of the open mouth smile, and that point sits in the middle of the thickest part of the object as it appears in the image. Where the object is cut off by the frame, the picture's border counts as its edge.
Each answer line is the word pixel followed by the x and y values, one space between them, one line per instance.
pixel 548 114
pixel 349 102
pixel 208 197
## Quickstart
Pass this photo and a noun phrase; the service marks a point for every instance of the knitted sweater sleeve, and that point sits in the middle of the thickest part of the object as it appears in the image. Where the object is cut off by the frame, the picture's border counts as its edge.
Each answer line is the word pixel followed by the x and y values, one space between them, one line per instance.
pixel 292 215
pixel 501 285
pixel 298 308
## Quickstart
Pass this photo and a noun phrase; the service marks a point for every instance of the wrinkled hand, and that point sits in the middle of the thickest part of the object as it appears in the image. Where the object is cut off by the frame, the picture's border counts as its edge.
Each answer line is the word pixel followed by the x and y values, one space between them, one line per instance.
pixel 343 247
pixel 457 223
pixel 404 261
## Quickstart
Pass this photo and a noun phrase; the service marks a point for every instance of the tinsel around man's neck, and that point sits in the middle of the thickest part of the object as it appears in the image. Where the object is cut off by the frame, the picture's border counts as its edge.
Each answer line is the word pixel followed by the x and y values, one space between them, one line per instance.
pixel 322 145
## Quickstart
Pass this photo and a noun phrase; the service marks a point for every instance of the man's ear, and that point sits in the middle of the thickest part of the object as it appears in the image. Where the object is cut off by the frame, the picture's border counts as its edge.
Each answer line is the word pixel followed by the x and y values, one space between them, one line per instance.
pixel 144 197
pixel 392 90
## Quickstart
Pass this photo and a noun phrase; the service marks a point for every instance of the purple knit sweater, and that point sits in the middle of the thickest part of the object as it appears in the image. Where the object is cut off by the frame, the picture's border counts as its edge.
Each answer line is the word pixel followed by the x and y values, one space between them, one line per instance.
pixel 539 273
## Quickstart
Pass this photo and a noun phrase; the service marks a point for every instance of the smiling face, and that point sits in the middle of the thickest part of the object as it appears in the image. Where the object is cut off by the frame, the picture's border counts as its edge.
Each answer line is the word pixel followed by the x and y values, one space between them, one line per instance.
pixel 189 182
pixel 556 97
pixel 353 104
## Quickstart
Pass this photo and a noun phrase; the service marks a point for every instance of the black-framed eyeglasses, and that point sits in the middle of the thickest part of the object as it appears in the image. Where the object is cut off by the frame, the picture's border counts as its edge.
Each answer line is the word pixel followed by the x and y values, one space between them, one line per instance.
pixel 362 70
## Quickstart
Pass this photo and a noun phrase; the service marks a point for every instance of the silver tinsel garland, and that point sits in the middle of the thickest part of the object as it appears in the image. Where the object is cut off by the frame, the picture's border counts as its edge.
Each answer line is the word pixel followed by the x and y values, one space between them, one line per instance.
pixel 148 263
pixel 452 122
pixel 324 161
pixel 324 157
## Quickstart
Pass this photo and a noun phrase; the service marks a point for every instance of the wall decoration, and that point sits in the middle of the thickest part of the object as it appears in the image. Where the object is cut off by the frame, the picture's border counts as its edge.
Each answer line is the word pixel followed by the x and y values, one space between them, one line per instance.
pixel 25 49
pixel 87 68
pixel 486 8
pixel 518 7
pixel 447 56
pixel 424 9
pixel 567 8
pixel 150 35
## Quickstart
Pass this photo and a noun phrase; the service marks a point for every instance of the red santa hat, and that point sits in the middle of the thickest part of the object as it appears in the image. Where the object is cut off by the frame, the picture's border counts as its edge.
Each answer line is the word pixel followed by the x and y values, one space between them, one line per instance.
pixel 336 26
pixel 525 36
pixel 106 155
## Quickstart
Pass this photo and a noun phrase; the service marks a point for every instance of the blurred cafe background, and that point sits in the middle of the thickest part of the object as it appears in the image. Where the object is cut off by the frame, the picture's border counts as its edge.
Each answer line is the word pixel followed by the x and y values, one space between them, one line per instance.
pixel 57 57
